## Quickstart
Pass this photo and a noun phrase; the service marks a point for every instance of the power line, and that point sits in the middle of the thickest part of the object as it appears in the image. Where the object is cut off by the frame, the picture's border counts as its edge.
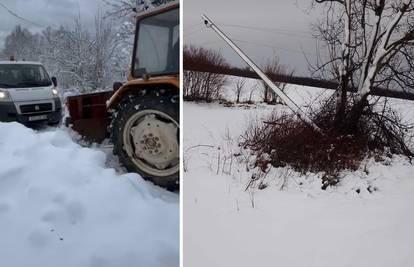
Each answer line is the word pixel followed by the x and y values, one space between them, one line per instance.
pixel 187 34
pixel 210 43
pixel 299 34
pixel 270 46
pixel 186 28
pixel 19 17
pixel 195 31
pixel 279 31
pixel 262 28
pixel 275 48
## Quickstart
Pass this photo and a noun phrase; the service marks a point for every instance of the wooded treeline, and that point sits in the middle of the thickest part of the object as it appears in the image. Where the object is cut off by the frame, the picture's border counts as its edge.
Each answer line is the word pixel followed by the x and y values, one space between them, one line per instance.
pixel 83 57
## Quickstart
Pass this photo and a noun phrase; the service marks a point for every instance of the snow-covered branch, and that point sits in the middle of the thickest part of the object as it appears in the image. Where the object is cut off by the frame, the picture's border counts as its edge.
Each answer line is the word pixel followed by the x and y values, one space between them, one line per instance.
pixel 379 49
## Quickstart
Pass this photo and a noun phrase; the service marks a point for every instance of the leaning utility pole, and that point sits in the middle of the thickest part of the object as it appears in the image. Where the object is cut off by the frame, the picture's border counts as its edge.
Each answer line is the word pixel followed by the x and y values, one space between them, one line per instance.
pixel 289 102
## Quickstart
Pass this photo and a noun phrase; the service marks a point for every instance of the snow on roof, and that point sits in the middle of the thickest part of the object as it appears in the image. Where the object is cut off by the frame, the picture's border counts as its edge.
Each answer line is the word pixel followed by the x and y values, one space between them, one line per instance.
pixel 154 10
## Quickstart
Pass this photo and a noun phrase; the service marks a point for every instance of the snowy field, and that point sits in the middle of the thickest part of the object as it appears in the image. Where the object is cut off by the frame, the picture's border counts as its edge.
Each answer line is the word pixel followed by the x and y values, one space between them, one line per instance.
pixel 292 222
pixel 61 205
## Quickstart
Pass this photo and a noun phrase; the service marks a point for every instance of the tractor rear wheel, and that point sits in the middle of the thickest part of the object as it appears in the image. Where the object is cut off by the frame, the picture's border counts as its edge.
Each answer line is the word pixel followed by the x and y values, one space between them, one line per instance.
pixel 145 134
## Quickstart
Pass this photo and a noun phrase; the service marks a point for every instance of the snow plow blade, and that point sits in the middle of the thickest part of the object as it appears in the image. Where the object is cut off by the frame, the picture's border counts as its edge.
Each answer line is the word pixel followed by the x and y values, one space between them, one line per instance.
pixel 88 115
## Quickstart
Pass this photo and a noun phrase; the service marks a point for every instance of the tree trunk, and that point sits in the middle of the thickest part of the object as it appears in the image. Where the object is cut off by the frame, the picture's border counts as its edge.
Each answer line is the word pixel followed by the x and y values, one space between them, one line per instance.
pixel 266 94
pixel 355 115
pixel 341 102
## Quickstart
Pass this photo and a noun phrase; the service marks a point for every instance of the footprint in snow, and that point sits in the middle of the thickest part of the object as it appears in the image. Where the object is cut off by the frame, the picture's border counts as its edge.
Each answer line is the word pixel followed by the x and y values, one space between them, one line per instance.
pixel 8 175
pixel 75 211
pixel 59 198
pixel 39 238
pixel 98 262
pixel 4 208
pixel 60 140
pixel 70 213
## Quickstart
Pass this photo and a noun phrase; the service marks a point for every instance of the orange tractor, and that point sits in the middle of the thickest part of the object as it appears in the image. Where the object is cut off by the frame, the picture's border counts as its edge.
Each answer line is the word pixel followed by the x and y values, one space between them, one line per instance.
pixel 141 116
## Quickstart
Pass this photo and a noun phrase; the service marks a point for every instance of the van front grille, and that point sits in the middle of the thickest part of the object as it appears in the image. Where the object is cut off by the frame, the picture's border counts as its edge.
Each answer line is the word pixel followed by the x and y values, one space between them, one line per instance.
pixel 34 108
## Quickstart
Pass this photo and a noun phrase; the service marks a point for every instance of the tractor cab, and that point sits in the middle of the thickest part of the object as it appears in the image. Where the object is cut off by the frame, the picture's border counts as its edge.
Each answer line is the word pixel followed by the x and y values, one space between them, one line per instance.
pixel 141 116
pixel 157 46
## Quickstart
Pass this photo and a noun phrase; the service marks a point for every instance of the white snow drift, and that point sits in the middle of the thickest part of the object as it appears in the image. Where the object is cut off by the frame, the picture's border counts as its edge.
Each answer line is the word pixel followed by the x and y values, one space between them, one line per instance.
pixel 292 222
pixel 60 206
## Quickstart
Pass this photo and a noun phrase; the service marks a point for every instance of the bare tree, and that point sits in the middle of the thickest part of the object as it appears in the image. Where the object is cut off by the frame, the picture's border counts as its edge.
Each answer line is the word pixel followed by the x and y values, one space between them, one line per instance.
pixel 272 67
pixel 204 86
pixel 124 12
pixel 77 57
pixel 22 44
pixel 371 44
pixel 126 8
pixel 251 92
pixel 3 56
pixel 238 88
pixel 106 46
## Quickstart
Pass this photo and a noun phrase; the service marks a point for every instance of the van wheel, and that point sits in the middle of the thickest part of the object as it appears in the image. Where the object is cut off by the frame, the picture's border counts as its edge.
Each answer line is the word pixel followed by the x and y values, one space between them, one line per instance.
pixel 145 134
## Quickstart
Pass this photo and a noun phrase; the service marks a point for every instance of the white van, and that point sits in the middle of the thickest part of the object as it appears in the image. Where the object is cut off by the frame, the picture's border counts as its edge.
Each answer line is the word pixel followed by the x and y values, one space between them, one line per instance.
pixel 27 94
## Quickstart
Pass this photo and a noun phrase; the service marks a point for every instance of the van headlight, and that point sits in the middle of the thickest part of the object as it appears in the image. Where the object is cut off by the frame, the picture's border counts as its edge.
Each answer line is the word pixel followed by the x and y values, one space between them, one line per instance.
pixel 55 92
pixel 4 95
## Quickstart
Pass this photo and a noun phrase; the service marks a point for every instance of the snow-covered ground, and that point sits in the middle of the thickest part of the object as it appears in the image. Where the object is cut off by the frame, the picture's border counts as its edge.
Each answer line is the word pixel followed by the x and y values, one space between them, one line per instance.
pixel 61 205
pixel 292 222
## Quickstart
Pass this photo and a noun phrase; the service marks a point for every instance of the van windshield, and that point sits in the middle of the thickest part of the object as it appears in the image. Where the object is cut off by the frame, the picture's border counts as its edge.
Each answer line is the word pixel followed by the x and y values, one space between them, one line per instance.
pixel 23 75
pixel 157 45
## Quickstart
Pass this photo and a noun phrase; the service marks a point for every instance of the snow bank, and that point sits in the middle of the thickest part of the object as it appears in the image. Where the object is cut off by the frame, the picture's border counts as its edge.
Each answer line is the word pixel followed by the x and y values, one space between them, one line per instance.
pixel 60 206
pixel 292 222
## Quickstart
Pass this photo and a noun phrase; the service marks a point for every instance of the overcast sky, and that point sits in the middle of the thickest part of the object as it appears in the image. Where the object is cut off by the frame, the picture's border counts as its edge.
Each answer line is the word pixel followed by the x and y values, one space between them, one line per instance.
pixel 45 13
pixel 283 24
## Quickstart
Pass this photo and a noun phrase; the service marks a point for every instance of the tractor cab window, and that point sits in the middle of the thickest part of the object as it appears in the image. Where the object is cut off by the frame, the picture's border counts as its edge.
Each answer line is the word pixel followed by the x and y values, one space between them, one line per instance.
pixel 157 45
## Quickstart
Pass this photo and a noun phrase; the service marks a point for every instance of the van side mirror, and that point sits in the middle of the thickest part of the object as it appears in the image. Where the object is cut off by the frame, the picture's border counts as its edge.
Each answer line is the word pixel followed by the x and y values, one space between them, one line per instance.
pixel 54 81
pixel 116 86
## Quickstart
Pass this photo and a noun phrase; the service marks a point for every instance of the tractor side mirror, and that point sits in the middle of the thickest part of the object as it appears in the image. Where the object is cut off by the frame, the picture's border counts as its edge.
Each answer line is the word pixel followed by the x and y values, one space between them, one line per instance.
pixel 54 81
pixel 116 86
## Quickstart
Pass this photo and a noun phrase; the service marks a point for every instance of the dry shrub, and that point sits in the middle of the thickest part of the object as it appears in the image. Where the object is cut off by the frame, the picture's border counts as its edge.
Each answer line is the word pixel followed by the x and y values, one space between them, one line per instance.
pixel 283 140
